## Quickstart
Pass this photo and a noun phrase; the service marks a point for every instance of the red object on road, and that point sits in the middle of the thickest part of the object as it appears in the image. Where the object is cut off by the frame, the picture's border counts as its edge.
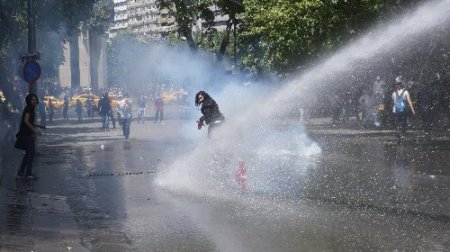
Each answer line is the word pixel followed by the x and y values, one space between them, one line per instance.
pixel 241 175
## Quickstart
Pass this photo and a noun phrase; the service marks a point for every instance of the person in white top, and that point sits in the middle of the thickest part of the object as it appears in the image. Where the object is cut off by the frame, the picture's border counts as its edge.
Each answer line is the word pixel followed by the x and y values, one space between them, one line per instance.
pixel 402 100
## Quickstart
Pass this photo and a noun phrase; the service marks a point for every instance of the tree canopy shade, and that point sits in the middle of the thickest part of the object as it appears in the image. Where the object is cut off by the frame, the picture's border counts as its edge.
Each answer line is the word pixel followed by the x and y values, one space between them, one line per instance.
pixel 187 13
pixel 279 36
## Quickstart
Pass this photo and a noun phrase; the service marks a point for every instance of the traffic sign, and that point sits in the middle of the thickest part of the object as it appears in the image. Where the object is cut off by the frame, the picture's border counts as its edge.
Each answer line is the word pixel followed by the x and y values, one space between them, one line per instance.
pixel 31 71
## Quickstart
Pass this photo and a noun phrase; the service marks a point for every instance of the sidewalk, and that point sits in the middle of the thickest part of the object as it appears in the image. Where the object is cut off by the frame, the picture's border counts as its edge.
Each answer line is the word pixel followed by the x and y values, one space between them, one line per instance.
pixel 36 215
pixel 54 212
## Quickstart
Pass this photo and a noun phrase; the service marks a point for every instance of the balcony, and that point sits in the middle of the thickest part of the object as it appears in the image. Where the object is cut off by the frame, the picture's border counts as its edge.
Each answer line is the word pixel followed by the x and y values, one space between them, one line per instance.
pixel 164 21
pixel 120 8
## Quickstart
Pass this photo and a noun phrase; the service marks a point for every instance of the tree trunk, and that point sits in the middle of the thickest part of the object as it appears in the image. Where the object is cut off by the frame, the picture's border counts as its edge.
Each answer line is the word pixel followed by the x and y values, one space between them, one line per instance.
pixel 225 41
pixel 74 60
pixel 184 21
pixel 95 45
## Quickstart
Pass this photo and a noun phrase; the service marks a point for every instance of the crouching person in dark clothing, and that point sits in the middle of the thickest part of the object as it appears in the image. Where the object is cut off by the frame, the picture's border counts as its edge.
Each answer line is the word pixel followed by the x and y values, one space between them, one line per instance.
pixel 28 133
pixel 210 110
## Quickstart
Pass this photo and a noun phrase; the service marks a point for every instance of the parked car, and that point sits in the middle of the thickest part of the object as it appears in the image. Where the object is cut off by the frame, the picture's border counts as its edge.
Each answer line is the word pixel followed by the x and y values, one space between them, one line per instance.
pixel 115 99
pixel 173 96
pixel 83 98
pixel 57 103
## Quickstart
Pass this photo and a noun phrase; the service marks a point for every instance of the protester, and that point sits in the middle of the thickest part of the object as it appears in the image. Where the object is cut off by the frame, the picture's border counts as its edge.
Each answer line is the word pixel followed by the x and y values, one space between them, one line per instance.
pixel 379 87
pixel 66 109
pixel 42 112
pixel 210 110
pixel 401 99
pixel 366 106
pixel 79 110
pixel 378 91
pixel 90 107
pixel 126 115
pixel 104 106
pixel 159 105
pixel 27 133
pixel 51 110
pixel 111 114
pixel 141 103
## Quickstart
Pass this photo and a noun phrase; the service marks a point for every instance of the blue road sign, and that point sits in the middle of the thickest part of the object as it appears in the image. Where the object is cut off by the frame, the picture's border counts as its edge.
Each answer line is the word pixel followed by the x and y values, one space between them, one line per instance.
pixel 31 71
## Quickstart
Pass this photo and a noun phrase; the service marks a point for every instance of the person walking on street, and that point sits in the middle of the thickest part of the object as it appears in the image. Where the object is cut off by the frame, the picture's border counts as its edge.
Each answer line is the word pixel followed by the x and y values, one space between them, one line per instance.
pixel 66 109
pixel 125 110
pixel 51 110
pixel 211 114
pixel 28 132
pixel 378 101
pixel 79 110
pixel 104 106
pixel 401 100
pixel 141 109
pixel 89 107
pixel 111 114
pixel 42 112
pixel 159 105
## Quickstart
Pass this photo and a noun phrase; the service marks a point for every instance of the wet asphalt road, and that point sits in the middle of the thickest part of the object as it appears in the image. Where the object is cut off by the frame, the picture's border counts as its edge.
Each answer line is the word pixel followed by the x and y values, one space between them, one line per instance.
pixel 95 192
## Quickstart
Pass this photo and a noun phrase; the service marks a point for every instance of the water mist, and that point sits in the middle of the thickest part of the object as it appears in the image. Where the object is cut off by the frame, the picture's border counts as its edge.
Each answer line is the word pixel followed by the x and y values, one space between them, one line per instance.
pixel 276 151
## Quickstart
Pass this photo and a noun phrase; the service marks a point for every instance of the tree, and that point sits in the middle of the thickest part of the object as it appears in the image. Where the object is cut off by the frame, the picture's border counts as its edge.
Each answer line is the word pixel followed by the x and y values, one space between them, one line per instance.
pixel 123 50
pixel 187 13
pixel 279 36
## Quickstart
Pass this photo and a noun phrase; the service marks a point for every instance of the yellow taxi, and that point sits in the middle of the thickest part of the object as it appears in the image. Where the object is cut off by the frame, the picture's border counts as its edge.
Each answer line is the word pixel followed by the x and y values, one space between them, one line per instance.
pixel 83 98
pixel 173 96
pixel 115 99
pixel 57 103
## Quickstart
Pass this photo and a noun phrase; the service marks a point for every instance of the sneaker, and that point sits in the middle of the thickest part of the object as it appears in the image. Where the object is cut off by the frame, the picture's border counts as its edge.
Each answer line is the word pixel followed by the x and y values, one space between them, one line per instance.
pixel 20 176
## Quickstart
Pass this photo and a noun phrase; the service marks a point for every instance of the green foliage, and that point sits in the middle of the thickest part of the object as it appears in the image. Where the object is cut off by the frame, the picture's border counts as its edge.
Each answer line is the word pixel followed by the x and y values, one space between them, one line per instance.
pixel 120 52
pixel 186 13
pixel 281 35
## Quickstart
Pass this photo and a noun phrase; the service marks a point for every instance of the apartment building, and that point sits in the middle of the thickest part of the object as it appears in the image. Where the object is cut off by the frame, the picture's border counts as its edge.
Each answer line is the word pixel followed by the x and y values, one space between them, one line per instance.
pixel 141 17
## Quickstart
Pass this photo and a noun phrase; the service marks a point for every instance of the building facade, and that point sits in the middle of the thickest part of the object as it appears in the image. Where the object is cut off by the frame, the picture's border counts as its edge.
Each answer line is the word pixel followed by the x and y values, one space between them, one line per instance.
pixel 85 62
pixel 141 17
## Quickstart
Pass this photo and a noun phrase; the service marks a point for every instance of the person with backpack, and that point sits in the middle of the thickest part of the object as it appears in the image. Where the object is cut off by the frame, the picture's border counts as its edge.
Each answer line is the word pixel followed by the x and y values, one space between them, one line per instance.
pixel 402 101
pixel 27 134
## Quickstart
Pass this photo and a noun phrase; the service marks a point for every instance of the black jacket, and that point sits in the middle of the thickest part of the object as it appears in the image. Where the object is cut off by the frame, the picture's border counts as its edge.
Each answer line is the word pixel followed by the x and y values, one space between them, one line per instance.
pixel 210 111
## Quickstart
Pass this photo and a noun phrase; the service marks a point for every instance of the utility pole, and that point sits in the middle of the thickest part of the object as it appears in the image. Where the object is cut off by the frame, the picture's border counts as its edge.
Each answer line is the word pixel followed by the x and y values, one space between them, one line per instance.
pixel 31 27
pixel 31 69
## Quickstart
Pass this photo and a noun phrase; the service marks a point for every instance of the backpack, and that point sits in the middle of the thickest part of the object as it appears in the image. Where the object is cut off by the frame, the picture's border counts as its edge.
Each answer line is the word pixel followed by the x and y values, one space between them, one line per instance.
pixel 400 102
